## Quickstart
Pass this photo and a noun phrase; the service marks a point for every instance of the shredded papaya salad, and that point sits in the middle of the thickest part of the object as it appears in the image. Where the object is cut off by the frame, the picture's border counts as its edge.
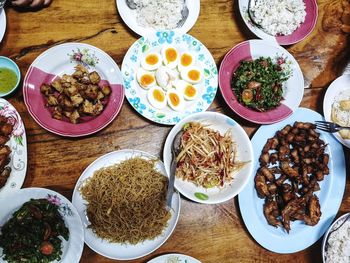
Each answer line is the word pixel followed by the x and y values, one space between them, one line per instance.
pixel 206 158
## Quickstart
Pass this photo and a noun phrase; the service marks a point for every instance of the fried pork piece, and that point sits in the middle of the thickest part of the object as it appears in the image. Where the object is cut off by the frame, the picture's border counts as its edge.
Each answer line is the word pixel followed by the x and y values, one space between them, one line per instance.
pixel 77 95
pixel 5 151
pixel 291 165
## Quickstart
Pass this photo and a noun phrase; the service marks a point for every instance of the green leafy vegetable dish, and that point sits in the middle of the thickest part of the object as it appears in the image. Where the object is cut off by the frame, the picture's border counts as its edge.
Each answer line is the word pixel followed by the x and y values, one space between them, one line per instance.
pixel 257 84
pixel 34 233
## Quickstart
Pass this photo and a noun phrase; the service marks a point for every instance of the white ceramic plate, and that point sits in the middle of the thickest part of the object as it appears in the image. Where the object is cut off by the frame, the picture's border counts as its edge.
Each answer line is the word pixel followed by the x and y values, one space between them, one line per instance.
pixel 62 59
pixel 330 196
pixel 73 248
pixel 18 145
pixel 2 23
pixel 221 123
pixel 174 258
pixel 137 96
pixel 129 18
pixel 337 86
pixel 115 250
pixel 336 224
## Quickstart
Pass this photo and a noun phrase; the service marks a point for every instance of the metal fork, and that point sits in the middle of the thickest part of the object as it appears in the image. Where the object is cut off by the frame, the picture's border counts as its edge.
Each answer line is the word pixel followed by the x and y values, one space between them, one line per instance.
pixel 184 14
pixel 329 126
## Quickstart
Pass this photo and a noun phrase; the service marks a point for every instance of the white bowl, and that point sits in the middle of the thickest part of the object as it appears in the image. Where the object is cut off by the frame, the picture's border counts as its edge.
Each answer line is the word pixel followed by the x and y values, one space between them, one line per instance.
pixel 221 123
pixel 335 224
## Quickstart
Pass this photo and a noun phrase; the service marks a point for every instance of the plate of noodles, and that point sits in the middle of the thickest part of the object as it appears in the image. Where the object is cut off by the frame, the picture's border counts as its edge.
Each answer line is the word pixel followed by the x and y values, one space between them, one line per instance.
pixel 215 157
pixel 121 199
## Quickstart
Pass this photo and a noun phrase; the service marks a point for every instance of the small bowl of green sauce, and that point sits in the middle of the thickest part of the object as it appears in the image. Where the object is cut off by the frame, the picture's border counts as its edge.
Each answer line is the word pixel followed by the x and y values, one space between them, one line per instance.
pixel 10 76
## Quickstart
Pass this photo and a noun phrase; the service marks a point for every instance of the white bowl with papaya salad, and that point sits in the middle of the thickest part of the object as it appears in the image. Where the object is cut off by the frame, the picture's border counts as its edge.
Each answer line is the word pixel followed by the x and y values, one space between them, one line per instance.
pixel 214 159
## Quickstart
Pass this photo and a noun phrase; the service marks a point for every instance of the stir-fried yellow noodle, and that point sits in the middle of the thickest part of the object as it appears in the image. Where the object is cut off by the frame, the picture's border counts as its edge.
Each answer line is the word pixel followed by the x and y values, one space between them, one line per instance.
pixel 126 201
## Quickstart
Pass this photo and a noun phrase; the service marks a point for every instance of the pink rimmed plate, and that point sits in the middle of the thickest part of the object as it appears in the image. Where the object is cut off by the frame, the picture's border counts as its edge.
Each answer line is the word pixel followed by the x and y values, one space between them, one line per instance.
pixel 60 60
pixel 299 34
pixel 293 88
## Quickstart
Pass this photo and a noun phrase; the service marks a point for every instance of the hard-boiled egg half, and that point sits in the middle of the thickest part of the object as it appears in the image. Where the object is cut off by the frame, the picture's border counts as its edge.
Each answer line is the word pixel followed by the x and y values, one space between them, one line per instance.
pixel 170 56
pixel 192 74
pixel 156 97
pixel 165 77
pixel 188 90
pixel 145 78
pixel 186 60
pixel 151 61
pixel 175 100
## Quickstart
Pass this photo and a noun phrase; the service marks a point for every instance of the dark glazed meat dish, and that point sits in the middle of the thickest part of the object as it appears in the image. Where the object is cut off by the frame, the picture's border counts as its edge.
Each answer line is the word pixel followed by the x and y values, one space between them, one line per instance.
pixel 5 151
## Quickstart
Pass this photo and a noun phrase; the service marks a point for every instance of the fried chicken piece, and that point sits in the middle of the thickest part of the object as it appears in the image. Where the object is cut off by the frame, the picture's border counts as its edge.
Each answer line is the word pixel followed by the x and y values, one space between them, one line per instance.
pixel 293 173
pixel 4 175
pixel 57 85
pixel 271 213
pixel 46 89
pixel 98 108
pixel 271 144
pixel 57 113
pixel 87 107
pixel 52 100
pixel 94 77
pixel 3 139
pixel 77 100
pixel 91 92
pixel 267 173
pixel 314 211
pixel 261 186
pixel 106 90
pixel 74 116
pixel 6 129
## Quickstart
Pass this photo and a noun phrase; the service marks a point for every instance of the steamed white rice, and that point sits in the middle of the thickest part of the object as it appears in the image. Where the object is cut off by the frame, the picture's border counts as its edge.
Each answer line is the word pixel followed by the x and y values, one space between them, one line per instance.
pixel 159 14
pixel 338 250
pixel 278 17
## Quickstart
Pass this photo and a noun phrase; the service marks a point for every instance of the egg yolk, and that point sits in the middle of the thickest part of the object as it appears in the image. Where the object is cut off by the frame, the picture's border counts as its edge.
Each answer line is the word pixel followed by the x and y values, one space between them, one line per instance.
pixel 190 91
pixel 146 79
pixel 158 95
pixel 171 54
pixel 174 99
pixel 152 59
pixel 194 74
pixel 186 60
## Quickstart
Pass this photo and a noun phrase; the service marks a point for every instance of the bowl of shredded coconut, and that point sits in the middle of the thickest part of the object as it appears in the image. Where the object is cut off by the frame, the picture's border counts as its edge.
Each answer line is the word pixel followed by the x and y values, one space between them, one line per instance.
pixel 336 241
pixel 285 22
pixel 148 16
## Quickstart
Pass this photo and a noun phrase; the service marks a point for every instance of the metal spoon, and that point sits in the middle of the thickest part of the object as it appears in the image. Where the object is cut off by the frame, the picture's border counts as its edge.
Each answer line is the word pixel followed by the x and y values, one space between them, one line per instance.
pixel 184 14
pixel 175 148
pixel 131 4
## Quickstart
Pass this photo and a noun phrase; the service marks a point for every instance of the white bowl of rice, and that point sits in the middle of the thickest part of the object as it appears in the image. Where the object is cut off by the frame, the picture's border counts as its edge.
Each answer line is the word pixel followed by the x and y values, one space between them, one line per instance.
pixel 336 241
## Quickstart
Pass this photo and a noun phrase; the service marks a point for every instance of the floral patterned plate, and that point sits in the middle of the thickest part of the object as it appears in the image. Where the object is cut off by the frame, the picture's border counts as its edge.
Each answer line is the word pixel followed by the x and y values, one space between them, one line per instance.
pixel 2 23
pixel 137 96
pixel 293 88
pixel 71 249
pixel 60 60
pixel 116 250
pixel 298 35
pixel 18 145
pixel 174 258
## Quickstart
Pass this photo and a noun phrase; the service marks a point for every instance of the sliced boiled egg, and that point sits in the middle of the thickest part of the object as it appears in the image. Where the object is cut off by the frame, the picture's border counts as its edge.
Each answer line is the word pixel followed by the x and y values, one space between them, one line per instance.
pixel 156 97
pixel 192 74
pixel 170 56
pixel 188 90
pixel 165 77
pixel 145 78
pixel 151 61
pixel 175 100
pixel 186 60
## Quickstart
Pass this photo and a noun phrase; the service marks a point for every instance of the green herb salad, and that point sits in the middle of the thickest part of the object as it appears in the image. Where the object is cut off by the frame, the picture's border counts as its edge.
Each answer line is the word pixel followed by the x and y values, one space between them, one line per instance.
pixel 34 233
pixel 258 84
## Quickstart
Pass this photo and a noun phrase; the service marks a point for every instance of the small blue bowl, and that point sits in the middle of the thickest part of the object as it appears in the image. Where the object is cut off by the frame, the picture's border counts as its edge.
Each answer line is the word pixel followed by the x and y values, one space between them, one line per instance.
pixel 5 62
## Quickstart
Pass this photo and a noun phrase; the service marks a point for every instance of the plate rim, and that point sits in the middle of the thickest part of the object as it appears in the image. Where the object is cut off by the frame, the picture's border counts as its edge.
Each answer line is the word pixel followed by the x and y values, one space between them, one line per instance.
pixel 29 191
pixel 177 127
pixel 19 181
pixel 267 43
pixel 245 211
pixel 77 195
pixel 151 36
pixel 142 31
pixel 164 256
pixel 2 28
pixel 328 100
pixel 69 133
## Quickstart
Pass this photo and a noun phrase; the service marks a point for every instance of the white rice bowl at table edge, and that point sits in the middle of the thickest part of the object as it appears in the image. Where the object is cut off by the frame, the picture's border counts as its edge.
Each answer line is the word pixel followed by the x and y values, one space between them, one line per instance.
pixel 244 153
pixel 120 251
pixel 206 79
pixel 130 18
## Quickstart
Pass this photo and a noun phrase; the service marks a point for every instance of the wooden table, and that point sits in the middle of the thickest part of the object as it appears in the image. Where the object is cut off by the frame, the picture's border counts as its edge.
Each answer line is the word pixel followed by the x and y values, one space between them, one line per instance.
pixel 210 233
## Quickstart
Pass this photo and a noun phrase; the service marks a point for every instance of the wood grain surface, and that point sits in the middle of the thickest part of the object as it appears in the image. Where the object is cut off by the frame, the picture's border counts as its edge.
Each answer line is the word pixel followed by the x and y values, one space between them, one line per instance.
pixel 210 233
